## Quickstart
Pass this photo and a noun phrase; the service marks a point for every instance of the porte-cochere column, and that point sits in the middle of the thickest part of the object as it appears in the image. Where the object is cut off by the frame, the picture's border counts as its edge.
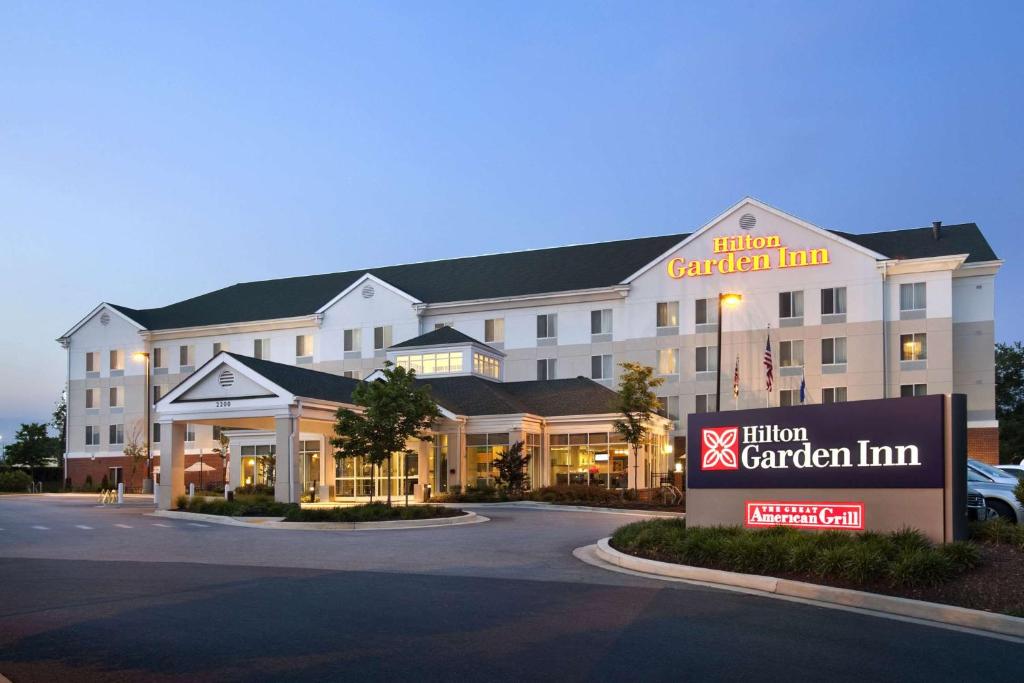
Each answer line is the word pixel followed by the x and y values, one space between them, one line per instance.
pixel 172 463
pixel 288 484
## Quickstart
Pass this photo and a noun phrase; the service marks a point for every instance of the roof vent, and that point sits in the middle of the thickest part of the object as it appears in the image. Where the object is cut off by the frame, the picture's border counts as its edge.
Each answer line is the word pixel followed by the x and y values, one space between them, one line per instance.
pixel 368 291
pixel 748 221
pixel 936 227
pixel 105 319
pixel 226 378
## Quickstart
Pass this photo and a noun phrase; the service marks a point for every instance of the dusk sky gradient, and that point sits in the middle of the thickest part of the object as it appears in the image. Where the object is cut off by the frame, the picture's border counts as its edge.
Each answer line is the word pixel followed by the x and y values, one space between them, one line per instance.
pixel 150 152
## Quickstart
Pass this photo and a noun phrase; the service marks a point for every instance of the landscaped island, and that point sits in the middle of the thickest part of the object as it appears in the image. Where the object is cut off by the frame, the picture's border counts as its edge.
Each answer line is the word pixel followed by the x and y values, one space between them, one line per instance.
pixel 983 573
pixel 263 506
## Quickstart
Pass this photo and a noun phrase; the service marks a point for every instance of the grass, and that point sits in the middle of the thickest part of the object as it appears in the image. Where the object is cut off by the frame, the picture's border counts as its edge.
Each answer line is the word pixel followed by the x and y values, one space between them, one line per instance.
pixel 903 559
pixel 370 512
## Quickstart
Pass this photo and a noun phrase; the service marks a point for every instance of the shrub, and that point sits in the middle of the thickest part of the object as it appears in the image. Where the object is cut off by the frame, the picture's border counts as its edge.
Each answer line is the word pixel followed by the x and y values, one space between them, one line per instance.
pixel 255 506
pixel 370 512
pixel 1018 491
pixel 255 489
pixel 962 555
pixel 15 481
pixel 920 568
pixel 576 493
pixel 998 530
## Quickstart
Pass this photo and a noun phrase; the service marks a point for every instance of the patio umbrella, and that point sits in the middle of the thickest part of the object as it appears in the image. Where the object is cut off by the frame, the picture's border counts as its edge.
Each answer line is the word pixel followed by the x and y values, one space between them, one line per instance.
pixel 199 467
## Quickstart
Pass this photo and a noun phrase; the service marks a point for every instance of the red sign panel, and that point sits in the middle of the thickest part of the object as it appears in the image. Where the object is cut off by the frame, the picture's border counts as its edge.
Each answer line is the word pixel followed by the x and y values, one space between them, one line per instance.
pixel 719 448
pixel 848 516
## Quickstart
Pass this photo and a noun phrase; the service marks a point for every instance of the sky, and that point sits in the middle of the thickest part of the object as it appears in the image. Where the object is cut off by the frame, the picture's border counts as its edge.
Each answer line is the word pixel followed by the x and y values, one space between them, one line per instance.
pixel 153 151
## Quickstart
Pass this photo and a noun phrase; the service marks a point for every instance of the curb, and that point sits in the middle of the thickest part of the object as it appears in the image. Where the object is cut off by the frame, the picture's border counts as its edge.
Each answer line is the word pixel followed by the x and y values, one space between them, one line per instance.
pixel 538 505
pixel 828 595
pixel 277 523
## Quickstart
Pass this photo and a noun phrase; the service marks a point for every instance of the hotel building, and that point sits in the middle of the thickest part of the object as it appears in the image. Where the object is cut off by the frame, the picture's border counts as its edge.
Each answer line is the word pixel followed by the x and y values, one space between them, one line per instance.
pixel 527 346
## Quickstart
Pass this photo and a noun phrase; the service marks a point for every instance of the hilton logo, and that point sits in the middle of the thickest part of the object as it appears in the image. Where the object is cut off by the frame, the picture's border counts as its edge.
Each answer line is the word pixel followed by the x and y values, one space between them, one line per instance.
pixel 718 448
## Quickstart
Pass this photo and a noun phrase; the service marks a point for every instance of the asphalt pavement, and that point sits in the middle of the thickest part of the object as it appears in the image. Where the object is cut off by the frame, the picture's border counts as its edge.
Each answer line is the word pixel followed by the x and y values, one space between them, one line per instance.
pixel 104 593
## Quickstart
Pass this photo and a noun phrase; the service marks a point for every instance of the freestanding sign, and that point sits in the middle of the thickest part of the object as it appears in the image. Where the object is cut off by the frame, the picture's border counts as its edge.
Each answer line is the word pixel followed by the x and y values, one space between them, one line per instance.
pixel 879 465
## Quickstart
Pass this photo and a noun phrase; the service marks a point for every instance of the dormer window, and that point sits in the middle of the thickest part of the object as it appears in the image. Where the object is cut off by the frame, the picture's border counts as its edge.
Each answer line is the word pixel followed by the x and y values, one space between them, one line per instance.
pixel 486 366
pixel 443 363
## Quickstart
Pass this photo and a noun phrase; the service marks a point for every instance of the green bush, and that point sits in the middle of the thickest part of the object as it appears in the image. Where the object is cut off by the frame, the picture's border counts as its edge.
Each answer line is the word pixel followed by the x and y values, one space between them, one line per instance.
pixel 1018 491
pixel 903 558
pixel 15 481
pixel 370 512
pixel 577 493
pixel 998 530
pixel 243 506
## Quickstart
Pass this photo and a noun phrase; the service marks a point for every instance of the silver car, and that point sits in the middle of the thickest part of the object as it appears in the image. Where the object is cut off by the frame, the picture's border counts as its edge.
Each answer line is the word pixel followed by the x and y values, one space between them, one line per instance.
pixel 998 495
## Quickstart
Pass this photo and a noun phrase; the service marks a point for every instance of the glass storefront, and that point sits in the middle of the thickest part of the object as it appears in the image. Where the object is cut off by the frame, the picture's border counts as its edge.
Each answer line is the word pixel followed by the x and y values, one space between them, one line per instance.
pixel 356 478
pixel 480 451
pixel 309 463
pixel 589 459
pixel 258 465
pixel 437 464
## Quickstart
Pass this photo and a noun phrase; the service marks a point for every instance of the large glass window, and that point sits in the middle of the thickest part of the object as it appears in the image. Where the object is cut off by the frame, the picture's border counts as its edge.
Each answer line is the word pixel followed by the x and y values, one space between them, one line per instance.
pixel 594 459
pixel 668 314
pixel 480 452
pixel 258 465
pixel 668 361
pixel 913 346
pixel 309 464
pixel 486 366
pixel 913 296
pixel 432 363
pixel 437 464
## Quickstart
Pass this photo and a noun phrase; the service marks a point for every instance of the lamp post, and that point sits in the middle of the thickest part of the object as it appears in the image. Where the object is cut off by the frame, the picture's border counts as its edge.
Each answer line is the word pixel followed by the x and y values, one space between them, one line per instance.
pixel 143 357
pixel 729 299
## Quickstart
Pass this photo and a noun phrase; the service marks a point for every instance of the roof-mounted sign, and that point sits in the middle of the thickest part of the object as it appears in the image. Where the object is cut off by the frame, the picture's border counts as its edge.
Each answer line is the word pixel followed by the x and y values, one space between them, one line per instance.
pixel 768 253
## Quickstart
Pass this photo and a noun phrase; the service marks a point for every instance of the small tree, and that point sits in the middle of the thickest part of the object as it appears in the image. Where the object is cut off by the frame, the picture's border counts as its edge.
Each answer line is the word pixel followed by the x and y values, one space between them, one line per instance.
pixel 136 449
pixel 33 447
pixel 224 451
pixel 394 410
pixel 637 402
pixel 511 465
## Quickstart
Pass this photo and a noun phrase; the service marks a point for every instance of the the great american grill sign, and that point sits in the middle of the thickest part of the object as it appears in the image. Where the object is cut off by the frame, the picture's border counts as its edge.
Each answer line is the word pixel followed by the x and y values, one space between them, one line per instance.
pixel 861 444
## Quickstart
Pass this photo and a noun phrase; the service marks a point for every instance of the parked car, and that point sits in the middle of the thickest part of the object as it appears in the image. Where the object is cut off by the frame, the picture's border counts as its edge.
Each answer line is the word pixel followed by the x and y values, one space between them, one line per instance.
pixel 1015 470
pixel 989 473
pixel 998 496
pixel 977 509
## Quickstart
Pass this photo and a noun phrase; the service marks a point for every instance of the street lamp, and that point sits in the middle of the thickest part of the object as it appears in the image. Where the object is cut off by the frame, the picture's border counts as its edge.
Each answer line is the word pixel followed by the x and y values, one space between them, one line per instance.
pixel 729 300
pixel 143 357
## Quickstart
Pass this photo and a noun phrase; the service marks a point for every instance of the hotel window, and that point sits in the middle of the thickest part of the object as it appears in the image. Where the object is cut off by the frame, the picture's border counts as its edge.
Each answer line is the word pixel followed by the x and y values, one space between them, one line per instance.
pixel 158 358
pixel 432 363
pixel 218 347
pixel 791 304
pixel 668 314
pixel 156 432
pixel 669 406
pixel 190 432
pixel 381 337
pixel 707 358
pixel 791 353
pixel 351 374
pixel 668 361
pixel 158 391
pixel 833 351
pixel 447 323
pixel 117 360
pixel 303 348
pixel 92 398
pixel 913 390
pixel 913 296
pixel 480 452
pixel 789 397
pixel 706 312
pixel 833 301
pixel 217 431
pixel 92 362
pixel 483 365
pixel 547 326
pixel 117 397
pixel 116 435
pixel 494 330
pixel 594 459
pixel 261 349
pixel 601 366
pixel 833 395
pixel 186 357
pixel 92 435
pixel 705 403
pixel 601 321
pixel 913 346
pixel 547 368
pixel 352 340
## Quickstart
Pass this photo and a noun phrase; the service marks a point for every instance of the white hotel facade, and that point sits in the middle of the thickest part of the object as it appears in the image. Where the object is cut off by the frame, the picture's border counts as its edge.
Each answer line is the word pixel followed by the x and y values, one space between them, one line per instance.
pixel 853 315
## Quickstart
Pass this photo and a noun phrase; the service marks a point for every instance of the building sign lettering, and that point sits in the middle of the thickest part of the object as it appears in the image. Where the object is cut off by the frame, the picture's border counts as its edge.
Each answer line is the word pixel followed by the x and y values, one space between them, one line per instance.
pixel 769 253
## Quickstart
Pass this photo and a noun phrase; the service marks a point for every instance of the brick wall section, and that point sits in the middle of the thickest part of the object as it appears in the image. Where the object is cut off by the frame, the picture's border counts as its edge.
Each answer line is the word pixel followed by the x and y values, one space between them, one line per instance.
pixel 983 444
pixel 80 468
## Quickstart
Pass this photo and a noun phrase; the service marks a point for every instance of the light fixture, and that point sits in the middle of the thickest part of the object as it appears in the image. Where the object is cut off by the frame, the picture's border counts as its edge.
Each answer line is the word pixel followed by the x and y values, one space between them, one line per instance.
pixel 731 299
pixel 140 356
pixel 679 467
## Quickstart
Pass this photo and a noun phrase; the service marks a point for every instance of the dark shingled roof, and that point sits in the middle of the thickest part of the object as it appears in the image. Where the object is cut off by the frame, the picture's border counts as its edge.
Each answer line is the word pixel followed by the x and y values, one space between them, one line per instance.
pixel 560 269
pixel 471 395
pixel 302 381
pixel 441 336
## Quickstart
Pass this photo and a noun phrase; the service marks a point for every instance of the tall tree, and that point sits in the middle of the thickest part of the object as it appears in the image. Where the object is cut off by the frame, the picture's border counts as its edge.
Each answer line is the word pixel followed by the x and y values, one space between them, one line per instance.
pixel 1010 400
pixel 395 409
pixel 637 403
pixel 59 420
pixel 511 465
pixel 33 447
pixel 135 449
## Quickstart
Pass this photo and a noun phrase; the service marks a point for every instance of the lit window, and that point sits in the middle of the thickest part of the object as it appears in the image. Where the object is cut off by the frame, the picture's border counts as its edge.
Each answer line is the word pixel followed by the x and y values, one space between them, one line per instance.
pixel 913 296
pixel 706 312
pixel 706 358
pixel 791 354
pixel 117 359
pixel 601 366
pixel 547 368
pixel 833 351
pixel 547 326
pixel 668 314
pixel 485 365
pixel 913 390
pixel 92 361
pixel 304 346
pixel 913 346
pixel 381 337
pixel 353 339
pixel 668 361
pixel 833 395
pixel 601 321
pixel 833 301
pixel 791 304
pixel 494 330
pixel 432 363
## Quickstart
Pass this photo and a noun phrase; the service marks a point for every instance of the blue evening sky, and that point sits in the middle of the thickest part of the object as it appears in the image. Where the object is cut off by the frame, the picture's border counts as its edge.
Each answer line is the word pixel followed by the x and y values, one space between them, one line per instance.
pixel 152 151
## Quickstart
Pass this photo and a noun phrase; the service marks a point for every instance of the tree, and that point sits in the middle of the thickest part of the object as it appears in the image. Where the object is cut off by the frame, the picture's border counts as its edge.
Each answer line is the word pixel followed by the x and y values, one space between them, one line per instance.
pixel 511 465
pixel 224 452
pixel 395 409
pixel 59 420
pixel 33 447
pixel 1010 400
pixel 637 402
pixel 135 448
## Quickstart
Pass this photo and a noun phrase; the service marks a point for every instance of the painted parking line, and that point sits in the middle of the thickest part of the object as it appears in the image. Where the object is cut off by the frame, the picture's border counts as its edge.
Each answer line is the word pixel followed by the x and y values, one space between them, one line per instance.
pixel 166 526
pixel 123 526
pixel 198 524
pixel 41 528
pixel 82 526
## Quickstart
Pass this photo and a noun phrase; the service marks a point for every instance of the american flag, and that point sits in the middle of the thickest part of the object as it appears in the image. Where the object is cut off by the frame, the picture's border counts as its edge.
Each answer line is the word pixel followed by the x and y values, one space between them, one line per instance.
pixel 769 374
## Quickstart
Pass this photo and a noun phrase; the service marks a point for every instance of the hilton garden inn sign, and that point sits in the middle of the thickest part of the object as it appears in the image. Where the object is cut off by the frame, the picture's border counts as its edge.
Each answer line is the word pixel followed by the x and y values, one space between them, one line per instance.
pixel 879 464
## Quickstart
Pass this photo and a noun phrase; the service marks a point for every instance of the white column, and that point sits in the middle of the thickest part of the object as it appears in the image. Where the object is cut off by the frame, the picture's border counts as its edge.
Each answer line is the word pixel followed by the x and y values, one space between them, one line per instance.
pixel 172 463
pixel 288 484
pixel 235 465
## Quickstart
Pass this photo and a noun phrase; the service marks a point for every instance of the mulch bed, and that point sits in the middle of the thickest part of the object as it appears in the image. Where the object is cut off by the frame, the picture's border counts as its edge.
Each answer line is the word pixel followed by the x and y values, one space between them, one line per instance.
pixel 625 505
